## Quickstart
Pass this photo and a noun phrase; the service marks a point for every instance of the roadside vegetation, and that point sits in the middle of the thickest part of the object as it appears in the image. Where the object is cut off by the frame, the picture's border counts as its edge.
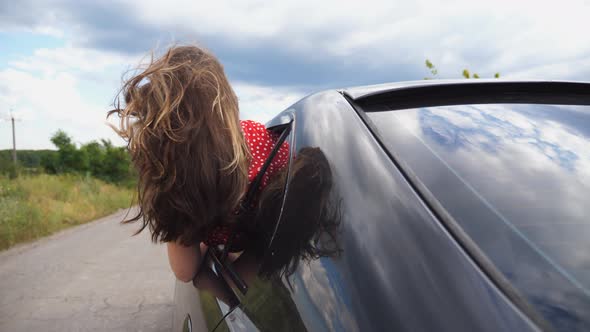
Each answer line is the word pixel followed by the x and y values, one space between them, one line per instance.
pixel 49 190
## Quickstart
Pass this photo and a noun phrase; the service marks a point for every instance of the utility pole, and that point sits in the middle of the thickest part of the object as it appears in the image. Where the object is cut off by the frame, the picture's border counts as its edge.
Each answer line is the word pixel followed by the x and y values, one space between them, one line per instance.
pixel 13 140
pixel 12 119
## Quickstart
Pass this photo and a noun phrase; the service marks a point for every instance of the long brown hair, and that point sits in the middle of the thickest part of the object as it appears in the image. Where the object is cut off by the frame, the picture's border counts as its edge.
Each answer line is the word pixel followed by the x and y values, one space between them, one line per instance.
pixel 181 122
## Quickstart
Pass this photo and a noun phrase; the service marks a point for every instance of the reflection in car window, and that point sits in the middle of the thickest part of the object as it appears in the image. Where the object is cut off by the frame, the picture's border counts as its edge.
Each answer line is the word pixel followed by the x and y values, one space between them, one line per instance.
pixel 517 179
pixel 307 219
pixel 307 238
pixel 280 239
pixel 324 296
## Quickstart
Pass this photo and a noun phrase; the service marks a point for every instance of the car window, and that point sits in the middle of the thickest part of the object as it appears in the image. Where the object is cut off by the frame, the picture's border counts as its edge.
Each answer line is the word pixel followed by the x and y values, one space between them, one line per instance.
pixel 264 303
pixel 517 179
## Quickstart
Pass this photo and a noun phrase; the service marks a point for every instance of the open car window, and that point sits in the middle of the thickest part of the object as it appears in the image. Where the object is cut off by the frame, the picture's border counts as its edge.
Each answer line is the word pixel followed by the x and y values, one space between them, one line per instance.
pixel 260 301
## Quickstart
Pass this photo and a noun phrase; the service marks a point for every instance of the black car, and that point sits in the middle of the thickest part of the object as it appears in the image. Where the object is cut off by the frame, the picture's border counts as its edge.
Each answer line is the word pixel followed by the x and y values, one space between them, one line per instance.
pixel 445 206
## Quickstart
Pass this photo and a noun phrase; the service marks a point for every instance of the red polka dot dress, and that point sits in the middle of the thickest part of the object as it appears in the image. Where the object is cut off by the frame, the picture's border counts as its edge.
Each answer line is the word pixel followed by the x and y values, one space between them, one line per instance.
pixel 260 142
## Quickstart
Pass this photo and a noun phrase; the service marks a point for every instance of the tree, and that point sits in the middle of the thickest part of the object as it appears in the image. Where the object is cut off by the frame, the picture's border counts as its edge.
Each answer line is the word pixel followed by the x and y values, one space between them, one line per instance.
pixel 101 159
pixel 69 158
pixel 432 68
pixel 50 163
pixel 96 157
pixel 116 165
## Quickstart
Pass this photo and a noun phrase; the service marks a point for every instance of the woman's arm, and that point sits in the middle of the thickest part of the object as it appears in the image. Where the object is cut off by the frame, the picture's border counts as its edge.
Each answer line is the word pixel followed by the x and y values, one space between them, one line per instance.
pixel 184 261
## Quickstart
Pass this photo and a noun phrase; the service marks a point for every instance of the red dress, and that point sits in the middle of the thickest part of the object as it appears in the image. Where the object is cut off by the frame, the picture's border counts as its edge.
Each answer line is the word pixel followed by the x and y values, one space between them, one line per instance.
pixel 260 142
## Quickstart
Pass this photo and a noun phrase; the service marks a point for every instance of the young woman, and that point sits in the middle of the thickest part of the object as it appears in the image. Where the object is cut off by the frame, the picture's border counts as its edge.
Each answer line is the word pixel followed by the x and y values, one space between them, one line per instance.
pixel 193 155
pixel 196 159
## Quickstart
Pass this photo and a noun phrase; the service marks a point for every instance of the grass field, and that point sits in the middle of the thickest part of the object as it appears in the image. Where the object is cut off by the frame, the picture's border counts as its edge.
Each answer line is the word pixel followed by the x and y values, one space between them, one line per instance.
pixel 39 205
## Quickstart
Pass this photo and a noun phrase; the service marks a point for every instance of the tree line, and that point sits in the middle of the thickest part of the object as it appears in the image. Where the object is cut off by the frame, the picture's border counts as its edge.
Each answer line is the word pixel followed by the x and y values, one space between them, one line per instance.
pixel 99 159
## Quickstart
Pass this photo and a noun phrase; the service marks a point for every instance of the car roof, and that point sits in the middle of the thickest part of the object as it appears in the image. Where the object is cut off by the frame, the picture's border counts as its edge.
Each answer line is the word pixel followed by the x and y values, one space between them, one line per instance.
pixel 363 92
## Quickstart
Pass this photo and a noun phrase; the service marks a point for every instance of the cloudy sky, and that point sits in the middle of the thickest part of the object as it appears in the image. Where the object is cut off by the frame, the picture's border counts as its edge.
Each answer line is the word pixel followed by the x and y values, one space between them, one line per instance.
pixel 61 62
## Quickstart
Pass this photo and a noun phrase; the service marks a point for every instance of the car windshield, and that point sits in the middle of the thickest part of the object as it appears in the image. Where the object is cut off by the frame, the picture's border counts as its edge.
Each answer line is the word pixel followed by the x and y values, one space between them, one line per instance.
pixel 517 179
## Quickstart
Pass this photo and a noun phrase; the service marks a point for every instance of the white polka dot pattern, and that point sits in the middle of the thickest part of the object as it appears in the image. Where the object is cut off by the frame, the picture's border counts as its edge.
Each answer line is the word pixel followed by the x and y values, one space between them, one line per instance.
pixel 260 142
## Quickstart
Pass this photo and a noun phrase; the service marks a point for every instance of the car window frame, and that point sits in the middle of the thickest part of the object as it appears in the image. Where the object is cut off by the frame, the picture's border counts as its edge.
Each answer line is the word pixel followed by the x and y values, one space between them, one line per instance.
pixel 288 115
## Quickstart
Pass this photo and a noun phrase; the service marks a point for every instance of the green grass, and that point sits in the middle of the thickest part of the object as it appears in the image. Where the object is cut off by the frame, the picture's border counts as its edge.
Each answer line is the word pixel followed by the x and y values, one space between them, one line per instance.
pixel 39 205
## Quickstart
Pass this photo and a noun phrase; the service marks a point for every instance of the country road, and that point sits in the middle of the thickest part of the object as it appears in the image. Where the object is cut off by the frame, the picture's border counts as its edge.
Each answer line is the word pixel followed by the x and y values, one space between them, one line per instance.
pixel 94 277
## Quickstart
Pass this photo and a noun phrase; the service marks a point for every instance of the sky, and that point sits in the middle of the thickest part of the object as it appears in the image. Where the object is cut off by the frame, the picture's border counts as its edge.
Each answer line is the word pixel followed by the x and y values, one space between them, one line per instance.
pixel 62 62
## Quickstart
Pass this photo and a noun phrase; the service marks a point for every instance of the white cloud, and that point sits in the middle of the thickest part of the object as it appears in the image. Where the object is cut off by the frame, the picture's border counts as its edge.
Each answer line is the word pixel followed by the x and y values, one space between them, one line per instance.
pixel 46 91
pixel 261 103
pixel 55 60
pixel 577 69
pixel 522 39
pixel 46 103
pixel 501 35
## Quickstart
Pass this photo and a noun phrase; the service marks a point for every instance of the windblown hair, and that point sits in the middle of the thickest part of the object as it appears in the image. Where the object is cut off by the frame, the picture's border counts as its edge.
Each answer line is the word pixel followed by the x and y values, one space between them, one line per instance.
pixel 181 122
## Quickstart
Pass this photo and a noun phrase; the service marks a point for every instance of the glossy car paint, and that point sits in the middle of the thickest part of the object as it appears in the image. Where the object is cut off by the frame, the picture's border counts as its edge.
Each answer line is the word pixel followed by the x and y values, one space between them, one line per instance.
pixel 186 303
pixel 399 268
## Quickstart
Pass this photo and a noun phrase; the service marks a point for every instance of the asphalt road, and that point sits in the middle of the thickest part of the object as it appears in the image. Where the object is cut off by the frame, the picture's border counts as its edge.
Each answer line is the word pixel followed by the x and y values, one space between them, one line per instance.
pixel 94 277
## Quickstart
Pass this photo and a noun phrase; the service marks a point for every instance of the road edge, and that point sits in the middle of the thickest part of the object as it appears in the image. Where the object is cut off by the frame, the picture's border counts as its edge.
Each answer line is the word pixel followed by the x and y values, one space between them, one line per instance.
pixel 19 248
